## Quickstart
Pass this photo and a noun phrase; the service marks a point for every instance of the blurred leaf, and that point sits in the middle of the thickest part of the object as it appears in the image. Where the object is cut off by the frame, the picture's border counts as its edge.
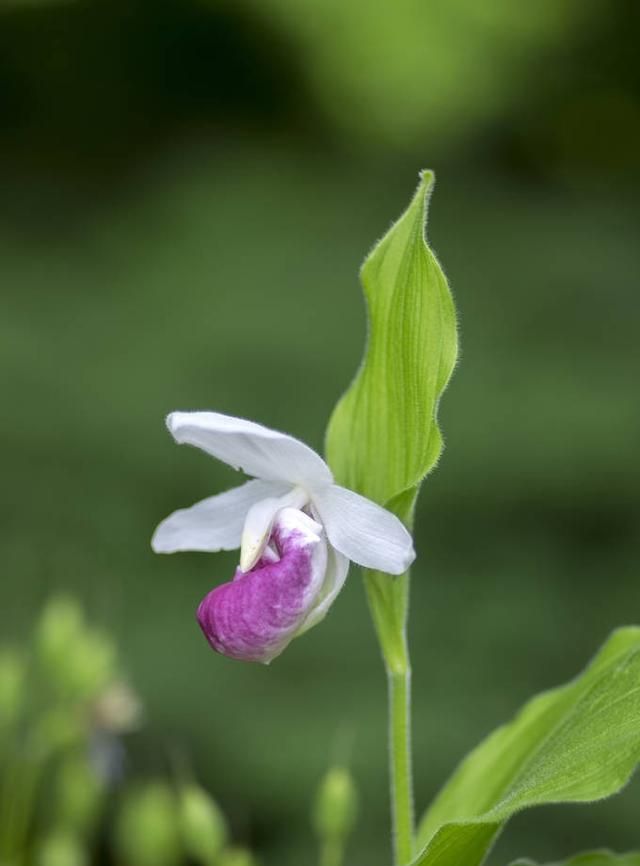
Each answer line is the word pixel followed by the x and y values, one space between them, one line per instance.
pixel 383 437
pixel 55 728
pixel 78 795
pixel 592 858
pixel 576 743
pixel 12 682
pixel 398 72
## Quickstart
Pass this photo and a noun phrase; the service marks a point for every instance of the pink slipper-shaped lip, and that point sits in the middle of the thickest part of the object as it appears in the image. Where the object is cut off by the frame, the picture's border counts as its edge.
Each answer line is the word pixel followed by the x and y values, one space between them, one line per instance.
pixel 255 616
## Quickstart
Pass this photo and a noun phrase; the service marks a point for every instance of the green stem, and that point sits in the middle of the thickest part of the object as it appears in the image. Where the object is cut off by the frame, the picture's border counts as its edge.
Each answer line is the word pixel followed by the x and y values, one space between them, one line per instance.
pixel 331 853
pixel 388 600
pixel 399 685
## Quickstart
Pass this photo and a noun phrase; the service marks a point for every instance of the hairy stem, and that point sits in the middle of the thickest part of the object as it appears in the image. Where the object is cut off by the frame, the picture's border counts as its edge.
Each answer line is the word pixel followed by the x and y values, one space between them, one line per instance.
pixel 388 600
pixel 400 765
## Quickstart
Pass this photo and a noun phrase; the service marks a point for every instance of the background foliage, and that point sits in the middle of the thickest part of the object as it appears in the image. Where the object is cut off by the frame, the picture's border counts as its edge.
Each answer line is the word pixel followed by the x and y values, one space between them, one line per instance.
pixel 188 190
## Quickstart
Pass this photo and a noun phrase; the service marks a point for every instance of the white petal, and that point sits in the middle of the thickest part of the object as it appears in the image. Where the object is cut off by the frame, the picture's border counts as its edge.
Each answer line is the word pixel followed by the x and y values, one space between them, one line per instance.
pixel 257 450
pixel 214 523
pixel 336 574
pixel 363 531
pixel 258 523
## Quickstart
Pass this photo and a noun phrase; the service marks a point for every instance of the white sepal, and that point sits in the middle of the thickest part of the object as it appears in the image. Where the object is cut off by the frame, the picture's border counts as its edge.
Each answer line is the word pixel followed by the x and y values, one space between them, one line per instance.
pixel 257 450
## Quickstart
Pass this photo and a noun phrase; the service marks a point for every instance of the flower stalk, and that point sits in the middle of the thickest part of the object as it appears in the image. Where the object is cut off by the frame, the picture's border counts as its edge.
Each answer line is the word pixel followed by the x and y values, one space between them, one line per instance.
pixel 332 853
pixel 388 601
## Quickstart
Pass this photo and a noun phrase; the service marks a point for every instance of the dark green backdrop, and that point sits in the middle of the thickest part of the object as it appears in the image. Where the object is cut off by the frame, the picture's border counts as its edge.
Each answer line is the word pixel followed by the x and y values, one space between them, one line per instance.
pixel 187 192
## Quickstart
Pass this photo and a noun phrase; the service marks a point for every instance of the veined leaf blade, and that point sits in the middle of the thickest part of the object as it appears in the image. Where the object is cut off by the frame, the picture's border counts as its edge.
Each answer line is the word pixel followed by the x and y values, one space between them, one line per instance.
pixel 383 436
pixel 576 743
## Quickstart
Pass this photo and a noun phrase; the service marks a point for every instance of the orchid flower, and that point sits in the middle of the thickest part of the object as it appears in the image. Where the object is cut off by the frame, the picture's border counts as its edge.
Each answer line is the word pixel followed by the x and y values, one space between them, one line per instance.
pixel 296 529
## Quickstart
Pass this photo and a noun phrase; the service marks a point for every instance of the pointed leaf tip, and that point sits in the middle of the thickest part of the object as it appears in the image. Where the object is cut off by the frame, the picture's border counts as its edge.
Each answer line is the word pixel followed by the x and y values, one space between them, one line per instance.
pixel 383 436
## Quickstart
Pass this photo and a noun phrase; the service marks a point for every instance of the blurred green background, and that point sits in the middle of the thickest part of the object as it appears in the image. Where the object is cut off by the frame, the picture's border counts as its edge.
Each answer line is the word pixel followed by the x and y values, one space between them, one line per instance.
pixel 187 190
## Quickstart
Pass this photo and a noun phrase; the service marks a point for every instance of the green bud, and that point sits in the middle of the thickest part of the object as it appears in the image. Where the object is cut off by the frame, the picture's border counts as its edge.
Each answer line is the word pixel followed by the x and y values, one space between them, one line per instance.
pixel 61 848
pixel 203 827
pixel 237 857
pixel 336 805
pixel 78 661
pixel 77 795
pixel 147 830
pixel 12 681
pixel 95 664
pixel 60 626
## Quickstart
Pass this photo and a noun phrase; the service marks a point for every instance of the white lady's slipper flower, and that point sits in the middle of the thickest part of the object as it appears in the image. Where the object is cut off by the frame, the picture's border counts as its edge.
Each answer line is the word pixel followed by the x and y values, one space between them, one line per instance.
pixel 296 529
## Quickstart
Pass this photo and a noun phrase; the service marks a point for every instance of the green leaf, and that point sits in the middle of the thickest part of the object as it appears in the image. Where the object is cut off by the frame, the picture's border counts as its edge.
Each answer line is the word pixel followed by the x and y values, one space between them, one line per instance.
pixel 383 437
pixel 576 743
pixel 592 858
